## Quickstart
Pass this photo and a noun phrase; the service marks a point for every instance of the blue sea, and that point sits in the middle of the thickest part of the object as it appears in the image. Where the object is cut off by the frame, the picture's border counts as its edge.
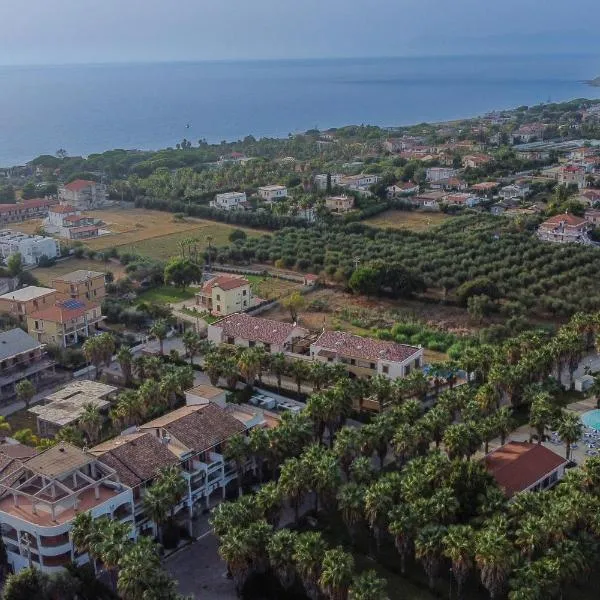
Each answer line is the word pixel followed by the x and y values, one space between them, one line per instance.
pixel 91 108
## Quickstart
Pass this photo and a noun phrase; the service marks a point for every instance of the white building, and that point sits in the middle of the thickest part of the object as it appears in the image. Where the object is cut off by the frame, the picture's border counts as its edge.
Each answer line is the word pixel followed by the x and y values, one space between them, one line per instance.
pixel 365 357
pixel 30 247
pixel 41 496
pixel 229 201
pixel 272 193
pixel 437 174
pixel 83 194
pixel 359 183
pixel 321 180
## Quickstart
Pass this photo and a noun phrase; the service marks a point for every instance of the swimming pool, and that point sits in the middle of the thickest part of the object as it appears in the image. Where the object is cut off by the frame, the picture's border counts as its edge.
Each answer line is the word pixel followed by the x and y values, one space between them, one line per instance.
pixel 591 419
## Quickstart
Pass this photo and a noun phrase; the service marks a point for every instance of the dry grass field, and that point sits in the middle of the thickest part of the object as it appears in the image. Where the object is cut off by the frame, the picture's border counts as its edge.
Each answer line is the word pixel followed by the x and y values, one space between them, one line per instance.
pixel 400 219
pixel 46 275
pixel 150 232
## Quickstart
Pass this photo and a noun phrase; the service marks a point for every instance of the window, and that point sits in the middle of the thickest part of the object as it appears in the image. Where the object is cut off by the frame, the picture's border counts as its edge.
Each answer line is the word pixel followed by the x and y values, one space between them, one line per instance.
pixel 417 363
pixel 230 340
pixel 244 293
pixel 218 308
pixel 386 369
pixel 218 297
pixel 251 344
pixel 267 347
pixel 352 361
pixel 372 366
pixel 406 369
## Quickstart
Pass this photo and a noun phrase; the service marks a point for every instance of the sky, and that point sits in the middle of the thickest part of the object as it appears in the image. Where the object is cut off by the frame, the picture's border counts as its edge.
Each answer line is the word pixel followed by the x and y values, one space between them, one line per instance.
pixel 87 31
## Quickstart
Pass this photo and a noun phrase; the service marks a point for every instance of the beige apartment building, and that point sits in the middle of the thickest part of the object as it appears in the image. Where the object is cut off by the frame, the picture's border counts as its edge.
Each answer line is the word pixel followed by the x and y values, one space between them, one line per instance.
pixel 24 302
pixel 80 285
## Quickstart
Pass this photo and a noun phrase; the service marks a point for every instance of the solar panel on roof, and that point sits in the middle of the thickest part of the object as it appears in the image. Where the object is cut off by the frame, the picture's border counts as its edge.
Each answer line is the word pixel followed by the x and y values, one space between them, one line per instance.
pixel 72 304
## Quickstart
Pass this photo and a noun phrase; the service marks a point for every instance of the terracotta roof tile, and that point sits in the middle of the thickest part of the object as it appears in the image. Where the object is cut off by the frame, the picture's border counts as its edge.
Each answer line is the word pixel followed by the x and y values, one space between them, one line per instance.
pixel 79 184
pixel 567 219
pixel 225 282
pixel 257 329
pixel 517 466
pixel 355 346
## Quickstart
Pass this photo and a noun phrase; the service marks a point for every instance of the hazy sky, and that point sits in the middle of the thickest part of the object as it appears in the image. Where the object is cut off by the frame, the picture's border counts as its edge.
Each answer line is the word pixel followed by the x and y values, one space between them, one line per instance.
pixel 72 31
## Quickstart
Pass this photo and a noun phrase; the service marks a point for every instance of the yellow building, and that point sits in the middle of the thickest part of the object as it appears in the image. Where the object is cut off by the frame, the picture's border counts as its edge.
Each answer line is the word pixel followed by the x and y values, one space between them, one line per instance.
pixel 80 285
pixel 22 303
pixel 225 294
pixel 66 323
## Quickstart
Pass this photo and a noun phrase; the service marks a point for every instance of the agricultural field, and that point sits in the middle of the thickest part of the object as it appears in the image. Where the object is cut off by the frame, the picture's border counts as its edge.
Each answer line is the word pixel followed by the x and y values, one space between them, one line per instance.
pixel 46 275
pixel 150 233
pixel 411 220
pixel 269 288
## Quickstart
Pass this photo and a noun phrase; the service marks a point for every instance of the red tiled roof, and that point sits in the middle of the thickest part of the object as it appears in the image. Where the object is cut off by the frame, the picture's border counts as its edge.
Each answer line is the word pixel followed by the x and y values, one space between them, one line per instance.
pixel 62 209
pixel 225 282
pixel 256 329
pixel 517 466
pixel 567 219
pixel 26 205
pixel 84 228
pixel 485 185
pixel 60 313
pixel 78 185
pixel 355 346
pixel 572 169
pixel 136 458
pixel 74 218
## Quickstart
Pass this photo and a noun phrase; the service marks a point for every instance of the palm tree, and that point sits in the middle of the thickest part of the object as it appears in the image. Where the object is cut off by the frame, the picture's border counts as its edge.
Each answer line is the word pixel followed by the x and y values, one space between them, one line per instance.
pixel 91 421
pixel 230 370
pixel 138 569
pixel 213 366
pixel 268 500
pixel 94 354
pixel 248 364
pixel 159 330
pixel 346 447
pixel 294 482
pixel 381 387
pixel 85 536
pixel 191 342
pixel 458 547
pixel 570 429
pixel 541 414
pixel 325 474
pixel 494 556
pixel 236 451
pixel 504 423
pixel 299 370
pixel 368 586
pixel 113 543
pixel 125 360
pixel 336 574
pixel 429 548
pixel 403 528
pixel 318 374
pixel 361 470
pixel 281 548
pixel 278 367
pixel 235 550
pixel 308 556
pixel 351 499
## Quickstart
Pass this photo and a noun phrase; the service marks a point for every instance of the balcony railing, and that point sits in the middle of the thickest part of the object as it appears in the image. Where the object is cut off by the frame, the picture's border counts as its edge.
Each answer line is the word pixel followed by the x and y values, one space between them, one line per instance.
pixel 53 541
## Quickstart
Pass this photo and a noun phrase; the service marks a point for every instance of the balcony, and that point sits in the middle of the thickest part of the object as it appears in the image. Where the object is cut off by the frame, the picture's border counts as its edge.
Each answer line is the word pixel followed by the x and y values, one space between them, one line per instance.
pixel 60 560
pixel 17 373
pixel 123 512
pixel 54 541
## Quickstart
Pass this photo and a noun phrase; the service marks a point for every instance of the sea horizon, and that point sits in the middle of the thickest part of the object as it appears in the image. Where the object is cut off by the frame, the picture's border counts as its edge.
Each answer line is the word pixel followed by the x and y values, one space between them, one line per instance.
pixel 95 107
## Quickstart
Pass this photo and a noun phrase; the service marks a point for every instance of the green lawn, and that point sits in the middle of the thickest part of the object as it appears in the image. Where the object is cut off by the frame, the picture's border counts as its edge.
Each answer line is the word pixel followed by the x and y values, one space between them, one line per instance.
pixel 167 294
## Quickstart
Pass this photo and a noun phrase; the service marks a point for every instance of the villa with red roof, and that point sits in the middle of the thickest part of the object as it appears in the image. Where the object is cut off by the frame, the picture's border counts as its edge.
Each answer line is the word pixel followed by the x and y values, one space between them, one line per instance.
pixel 365 357
pixel 522 466
pixel 83 194
pixel 565 229
pixel 27 209
pixel 246 331
pixel 572 175
pixel 225 294
pixel 67 222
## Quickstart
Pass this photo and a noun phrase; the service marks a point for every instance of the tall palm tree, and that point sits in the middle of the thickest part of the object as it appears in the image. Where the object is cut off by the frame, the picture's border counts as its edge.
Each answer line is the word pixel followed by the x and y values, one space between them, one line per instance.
pixel 235 550
pixel 458 547
pixel 294 482
pixel 308 556
pixel 213 366
pixel 494 555
pixel 346 447
pixel 281 548
pixel 249 365
pixel 92 350
pixel 91 421
pixel 85 536
pixel 299 370
pixel 138 568
pixel 125 360
pixel 113 543
pixel 368 586
pixel 278 367
pixel 191 342
pixel 351 501
pixel 403 527
pixel 268 499
pixel 570 429
pixel 504 423
pixel 159 330
pixel 318 374
pixel 237 451
pixel 336 574
pixel 541 414
pixel 429 548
